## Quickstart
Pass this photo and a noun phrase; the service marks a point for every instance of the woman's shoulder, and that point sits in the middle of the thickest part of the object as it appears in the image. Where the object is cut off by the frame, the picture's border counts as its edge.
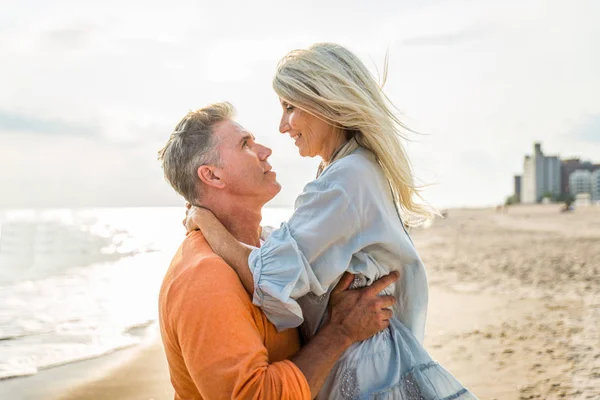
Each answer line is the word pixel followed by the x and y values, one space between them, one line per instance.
pixel 357 169
pixel 360 158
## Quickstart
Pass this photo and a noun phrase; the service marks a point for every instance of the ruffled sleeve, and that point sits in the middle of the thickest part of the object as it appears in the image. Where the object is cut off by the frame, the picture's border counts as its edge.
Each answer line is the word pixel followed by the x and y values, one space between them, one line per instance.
pixel 322 231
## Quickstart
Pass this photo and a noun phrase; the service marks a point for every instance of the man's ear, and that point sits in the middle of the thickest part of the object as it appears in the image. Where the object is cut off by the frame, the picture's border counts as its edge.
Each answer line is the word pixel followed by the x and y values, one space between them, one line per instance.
pixel 210 175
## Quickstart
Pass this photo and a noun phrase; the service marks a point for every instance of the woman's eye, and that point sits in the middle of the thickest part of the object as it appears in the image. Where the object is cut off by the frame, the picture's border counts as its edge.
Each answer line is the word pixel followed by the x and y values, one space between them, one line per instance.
pixel 288 107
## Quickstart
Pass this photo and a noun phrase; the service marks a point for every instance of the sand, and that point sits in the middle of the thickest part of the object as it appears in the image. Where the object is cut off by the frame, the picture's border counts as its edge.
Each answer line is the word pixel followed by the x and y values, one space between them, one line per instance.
pixel 514 309
pixel 145 376
pixel 531 328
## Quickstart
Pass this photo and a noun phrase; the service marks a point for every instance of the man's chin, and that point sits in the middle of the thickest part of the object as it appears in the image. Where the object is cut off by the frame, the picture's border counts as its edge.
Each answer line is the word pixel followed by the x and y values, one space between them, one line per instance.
pixel 275 191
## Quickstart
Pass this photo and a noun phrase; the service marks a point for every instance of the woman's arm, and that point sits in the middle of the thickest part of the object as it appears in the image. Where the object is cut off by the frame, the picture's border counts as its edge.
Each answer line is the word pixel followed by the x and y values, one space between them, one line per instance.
pixel 223 243
pixel 323 230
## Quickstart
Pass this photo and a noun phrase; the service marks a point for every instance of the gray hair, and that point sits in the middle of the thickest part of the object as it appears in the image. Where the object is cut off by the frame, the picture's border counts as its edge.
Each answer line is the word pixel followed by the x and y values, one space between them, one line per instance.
pixel 191 145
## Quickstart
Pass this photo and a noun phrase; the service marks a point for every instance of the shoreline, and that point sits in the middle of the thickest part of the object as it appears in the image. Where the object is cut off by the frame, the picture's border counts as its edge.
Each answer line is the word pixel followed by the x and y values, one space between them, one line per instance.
pixel 59 381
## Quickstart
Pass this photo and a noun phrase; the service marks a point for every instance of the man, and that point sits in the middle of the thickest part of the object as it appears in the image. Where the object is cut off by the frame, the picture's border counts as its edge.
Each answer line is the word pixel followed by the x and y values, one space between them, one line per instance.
pixel 218 344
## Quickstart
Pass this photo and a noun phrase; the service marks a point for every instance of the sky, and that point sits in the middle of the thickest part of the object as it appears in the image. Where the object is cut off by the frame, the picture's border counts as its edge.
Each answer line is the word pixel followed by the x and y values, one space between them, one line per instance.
pixel 90 91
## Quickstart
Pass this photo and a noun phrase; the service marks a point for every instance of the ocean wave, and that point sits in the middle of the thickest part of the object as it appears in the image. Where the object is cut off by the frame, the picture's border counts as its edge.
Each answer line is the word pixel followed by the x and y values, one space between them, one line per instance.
pixel 23 360
pixel 24 335
pixel 79 284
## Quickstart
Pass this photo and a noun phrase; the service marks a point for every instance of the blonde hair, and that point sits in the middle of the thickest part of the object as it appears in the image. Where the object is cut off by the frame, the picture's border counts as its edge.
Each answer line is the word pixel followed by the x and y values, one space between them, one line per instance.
pixel 331 83
pixel 191 145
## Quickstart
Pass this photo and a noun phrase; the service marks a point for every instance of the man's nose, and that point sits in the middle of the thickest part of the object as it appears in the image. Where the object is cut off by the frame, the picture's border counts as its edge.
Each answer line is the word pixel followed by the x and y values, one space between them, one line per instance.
pixel 264 152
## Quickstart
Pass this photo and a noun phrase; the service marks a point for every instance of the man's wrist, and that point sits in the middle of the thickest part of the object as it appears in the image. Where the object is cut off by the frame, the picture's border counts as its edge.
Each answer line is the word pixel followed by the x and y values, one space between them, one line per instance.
pixel 337 335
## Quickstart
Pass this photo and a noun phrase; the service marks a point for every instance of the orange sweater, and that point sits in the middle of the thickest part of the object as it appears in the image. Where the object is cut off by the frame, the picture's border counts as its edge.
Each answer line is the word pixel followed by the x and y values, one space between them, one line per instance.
pixel 218 344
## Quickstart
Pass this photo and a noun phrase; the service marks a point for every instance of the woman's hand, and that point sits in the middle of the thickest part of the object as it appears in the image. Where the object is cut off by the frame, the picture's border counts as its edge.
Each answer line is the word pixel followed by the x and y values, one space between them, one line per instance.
pixel 221 241
pixel 195 217
pixel 188 206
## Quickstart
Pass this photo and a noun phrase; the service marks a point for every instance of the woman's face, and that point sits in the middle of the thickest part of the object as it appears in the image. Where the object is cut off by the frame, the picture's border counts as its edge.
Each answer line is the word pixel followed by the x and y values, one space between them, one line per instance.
pixel 312 136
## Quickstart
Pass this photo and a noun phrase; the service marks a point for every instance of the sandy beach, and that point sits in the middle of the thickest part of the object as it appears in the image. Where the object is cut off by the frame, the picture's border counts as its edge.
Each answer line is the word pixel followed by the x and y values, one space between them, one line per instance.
pixel 514 311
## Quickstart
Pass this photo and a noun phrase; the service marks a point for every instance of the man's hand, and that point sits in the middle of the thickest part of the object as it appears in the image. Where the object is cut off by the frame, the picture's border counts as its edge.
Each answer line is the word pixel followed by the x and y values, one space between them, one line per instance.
pixel 355 315
pixel 360 313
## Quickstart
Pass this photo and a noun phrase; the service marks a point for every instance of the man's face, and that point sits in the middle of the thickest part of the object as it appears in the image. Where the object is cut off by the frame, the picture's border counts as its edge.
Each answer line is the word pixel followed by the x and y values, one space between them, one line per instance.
pixel 244 169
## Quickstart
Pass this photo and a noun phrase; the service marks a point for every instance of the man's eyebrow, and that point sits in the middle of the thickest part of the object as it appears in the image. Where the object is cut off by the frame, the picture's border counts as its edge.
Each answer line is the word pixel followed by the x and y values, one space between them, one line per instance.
pixel 246 137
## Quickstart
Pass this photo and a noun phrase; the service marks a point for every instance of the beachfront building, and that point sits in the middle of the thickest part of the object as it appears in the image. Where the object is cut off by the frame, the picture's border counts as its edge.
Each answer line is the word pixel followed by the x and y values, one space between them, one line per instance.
pixel 552 176
pixel 528 188
pixel 569 166
pixel 595 185
pixel 541 176
pixel 517 189
pixel 580 181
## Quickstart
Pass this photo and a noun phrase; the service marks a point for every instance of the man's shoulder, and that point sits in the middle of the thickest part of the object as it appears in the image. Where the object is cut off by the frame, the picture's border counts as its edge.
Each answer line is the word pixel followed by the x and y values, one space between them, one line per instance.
pixel 197 271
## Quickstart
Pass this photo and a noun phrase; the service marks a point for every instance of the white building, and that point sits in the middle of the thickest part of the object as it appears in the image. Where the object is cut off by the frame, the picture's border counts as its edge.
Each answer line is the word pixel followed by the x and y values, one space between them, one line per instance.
pixel 541 175
pixel 580 181
pixel 528 189
pixel 595 185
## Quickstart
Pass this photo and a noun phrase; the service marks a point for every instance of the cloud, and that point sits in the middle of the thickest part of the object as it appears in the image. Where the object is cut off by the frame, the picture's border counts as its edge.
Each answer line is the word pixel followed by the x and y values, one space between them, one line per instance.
pixel 447 39
pixel 587 129
pixel 70 37
pixel 11 122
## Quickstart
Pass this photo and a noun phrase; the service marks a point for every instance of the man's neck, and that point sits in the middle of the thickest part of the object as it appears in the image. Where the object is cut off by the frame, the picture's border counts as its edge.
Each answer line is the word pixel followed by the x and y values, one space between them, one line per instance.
pixel 240 218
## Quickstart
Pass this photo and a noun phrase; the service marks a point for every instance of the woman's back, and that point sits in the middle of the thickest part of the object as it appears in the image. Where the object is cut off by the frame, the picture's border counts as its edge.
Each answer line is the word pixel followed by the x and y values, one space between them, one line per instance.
pixel 346 221
pixel 381 245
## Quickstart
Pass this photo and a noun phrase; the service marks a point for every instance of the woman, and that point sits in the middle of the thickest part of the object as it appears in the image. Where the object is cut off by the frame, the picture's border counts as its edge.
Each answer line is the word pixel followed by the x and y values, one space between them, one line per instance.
pixel 348 219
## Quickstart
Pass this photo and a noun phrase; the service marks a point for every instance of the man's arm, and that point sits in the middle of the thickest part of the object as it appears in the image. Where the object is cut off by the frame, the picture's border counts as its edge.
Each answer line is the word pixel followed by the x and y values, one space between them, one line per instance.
pixel 224 351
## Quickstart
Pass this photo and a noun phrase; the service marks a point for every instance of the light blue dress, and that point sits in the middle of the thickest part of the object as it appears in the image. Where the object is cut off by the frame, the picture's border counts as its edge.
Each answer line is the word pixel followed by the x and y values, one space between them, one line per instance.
pixel 346 220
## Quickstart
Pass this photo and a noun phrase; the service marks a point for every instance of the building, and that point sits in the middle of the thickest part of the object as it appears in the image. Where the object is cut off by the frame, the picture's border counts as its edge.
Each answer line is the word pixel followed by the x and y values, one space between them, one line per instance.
pixel 528 189
pixel 595 185
pixel 580 181
pixel 568 166
pixel 541 176
pixel 552 177
pixel 517 189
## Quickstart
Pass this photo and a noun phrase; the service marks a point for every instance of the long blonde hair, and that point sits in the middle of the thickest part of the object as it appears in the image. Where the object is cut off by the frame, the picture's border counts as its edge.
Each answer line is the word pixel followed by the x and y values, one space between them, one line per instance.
pixel 331 83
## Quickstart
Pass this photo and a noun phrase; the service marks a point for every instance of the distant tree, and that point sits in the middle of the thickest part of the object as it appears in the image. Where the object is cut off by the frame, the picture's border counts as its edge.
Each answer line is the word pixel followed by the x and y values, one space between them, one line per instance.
pixel 569 200
pixel 566 198
pixel 548 195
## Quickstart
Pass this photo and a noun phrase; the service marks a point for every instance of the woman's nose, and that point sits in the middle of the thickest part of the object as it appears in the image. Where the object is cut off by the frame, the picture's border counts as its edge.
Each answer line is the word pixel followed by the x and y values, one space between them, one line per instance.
pixel 284 125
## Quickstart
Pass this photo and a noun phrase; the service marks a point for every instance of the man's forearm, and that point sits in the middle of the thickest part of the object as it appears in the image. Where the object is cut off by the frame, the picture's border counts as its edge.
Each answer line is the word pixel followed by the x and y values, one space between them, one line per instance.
pixel 316 359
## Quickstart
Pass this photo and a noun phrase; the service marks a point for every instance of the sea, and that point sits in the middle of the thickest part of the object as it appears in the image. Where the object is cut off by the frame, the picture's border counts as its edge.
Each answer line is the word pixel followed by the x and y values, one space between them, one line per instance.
pixel 77 284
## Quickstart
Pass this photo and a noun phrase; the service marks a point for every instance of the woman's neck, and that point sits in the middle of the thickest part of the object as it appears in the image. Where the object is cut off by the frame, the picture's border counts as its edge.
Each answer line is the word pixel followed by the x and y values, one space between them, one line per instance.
pixel 337 141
